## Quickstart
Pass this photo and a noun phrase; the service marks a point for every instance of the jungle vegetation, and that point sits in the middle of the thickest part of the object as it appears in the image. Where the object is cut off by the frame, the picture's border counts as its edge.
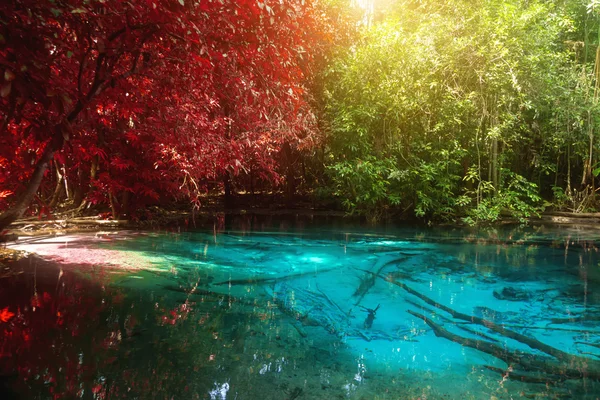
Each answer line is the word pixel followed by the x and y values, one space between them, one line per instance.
pixel 439 110
pixel 467 109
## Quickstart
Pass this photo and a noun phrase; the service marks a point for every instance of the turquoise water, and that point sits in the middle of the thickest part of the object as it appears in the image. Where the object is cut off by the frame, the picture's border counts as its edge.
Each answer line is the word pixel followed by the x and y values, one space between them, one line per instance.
pixel 288 311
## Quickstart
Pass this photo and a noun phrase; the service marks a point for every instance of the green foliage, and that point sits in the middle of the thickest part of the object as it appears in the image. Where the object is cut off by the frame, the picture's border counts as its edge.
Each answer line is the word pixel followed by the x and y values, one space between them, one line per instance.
pixel 363 185
pixel 517 198
pixel 560 199
pixel 453 109
pixel 434 186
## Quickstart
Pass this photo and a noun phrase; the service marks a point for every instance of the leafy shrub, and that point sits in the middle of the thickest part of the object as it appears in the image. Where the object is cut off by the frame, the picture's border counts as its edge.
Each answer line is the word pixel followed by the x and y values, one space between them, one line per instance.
pixel 517 198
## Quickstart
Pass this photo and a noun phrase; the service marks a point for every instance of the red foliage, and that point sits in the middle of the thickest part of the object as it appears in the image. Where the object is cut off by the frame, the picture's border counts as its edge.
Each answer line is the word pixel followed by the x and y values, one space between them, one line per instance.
pixel 153 97
pixel 34 341
pixel 6 315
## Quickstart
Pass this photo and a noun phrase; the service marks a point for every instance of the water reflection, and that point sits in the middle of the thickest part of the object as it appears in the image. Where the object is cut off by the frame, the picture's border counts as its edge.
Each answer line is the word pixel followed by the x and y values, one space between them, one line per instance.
pixel 304 313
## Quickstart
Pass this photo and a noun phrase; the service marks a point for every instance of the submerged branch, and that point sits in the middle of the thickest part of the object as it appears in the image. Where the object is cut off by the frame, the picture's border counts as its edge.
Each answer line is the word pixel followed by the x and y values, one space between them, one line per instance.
pixel 589 344
pixel 523 377
pixel 531 342
pixel 331 302
pixel 270 279
pixel 584 318
pixel 368 280
pixel 221 297
pixel 481 345
pixel 461 324
pixel 529 362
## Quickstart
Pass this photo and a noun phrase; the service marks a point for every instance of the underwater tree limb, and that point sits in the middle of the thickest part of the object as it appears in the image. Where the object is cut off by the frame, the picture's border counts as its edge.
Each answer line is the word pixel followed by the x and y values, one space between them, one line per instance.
pixel 298 326
pixel 531 342
pixel 481 345
pixel 591 354
pixel 333 303
pixel 461 325
pixel 523 377
pixel 272 279
pixel 528 362
pixel 589 344
pixel 545 328
pixel 584 318
pixel 202 292
pixel 477 344
pixel 481 334
pixel 368 280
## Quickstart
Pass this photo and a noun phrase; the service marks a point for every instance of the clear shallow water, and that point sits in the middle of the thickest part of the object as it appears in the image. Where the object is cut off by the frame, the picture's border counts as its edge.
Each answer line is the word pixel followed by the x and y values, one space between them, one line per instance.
pixel 288 312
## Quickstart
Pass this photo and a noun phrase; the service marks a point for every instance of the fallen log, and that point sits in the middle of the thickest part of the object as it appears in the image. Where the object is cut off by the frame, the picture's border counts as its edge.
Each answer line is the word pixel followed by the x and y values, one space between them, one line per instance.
pixel 565 357
pixel 571 214
pixel 77 221
pixel 477 333
pixel 528 362
pixel 481 345
pixel 459 324
pixel 11 237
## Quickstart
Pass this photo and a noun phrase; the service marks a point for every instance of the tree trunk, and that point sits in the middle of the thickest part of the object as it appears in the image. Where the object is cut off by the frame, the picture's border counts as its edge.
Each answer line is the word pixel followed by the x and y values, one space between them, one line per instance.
pixel 586 175
pixel 113 207
pixel 58 189
pixel 290 178
pixel 494 166
pixel 228 200
pixel 93 169
pixel 78 189
pixel 26 196
pixel 61 133
pixel 125 197
pixel 251 175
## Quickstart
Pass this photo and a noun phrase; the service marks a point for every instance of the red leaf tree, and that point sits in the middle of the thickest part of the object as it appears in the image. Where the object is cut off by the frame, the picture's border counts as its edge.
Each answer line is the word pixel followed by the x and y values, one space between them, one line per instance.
pixel 134 102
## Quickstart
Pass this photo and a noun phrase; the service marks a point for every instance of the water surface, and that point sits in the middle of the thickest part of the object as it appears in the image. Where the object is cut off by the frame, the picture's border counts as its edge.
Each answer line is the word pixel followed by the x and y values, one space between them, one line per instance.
pixel 307 312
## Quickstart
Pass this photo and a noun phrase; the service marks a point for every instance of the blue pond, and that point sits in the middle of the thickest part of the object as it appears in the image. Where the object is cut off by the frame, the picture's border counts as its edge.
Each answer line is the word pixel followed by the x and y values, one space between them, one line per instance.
pixel 286 311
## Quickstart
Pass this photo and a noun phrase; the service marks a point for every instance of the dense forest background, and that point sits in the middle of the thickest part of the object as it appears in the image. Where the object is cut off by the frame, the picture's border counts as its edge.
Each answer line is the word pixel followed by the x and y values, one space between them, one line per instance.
pixel 439 110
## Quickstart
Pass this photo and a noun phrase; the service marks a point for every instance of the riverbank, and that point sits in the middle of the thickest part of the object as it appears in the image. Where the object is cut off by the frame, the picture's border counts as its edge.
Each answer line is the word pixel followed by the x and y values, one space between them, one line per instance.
pixel 190 220
pixel 252 210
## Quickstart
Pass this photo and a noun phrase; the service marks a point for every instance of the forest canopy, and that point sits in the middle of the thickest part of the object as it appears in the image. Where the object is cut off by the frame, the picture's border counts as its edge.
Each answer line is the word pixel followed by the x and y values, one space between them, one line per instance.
pixel 440 110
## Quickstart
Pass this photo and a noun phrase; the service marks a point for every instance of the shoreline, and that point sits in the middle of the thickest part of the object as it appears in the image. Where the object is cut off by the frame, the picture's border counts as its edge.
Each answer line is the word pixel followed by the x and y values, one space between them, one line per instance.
pixel 186 220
